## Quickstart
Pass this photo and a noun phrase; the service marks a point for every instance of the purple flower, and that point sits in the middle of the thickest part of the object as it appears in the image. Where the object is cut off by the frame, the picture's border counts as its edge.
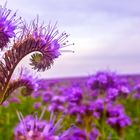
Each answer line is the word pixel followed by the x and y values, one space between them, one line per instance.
pixel 58 99
pixel 124 90
pixel 47 96
pixel 93 134
pixel 14 100
pixel 136 90
pixel 92 83
pixel 36 94
pixel 47 41
pixel 75 94
pixel 120 121
pixel 124 121
pixel 8 24
pixel 57 103
pixel 88 107
pixel 136 96
pixel 34 128
pixel 98 107
pixel 74 109
pixel 116 117
pixel 95 94
pixel 112 94
pixel 114 111
pixel 102 81
pixel 5 104
pixel 54 107
pixel 77 134
pixel 37 105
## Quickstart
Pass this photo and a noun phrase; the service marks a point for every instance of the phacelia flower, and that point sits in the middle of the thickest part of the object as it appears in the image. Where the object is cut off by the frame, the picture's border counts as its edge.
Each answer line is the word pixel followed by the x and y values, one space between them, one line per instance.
pixel 136 90
pixel 47 96
pixel 74 109
pixel 5 104
pixel 102 81
pixel 14 100
pixel 78 134
pixel 112 94
pixel 34 128
pixel 116 117
pixel 123 90
pixel 30 80
pixel 46 42
pixel 37 105
pixel 8 25
pixel 98 107
pixel 93 134
pixel 75 94
pixel 57 104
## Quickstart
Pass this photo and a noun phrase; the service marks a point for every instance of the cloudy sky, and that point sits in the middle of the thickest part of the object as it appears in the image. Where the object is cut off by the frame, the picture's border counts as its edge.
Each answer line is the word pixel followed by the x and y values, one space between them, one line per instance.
pixel 106 33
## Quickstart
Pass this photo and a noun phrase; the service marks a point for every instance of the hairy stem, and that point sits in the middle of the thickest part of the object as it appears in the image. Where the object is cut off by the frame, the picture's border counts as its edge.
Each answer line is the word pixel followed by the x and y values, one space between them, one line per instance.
pixel 12 58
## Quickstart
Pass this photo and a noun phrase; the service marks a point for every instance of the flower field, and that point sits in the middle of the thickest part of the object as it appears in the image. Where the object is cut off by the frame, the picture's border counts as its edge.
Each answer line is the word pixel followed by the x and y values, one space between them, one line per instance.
pixel 102 106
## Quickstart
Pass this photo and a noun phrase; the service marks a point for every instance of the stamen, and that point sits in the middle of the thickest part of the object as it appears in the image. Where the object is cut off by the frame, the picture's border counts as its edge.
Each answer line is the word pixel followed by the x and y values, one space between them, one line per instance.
pixel 66 45
pixel 67 51
pixel 42 114
pixel 20 117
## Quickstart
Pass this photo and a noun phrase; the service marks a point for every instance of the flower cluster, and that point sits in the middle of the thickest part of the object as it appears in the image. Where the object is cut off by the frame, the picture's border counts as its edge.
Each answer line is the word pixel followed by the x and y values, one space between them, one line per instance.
pixel 8 24
pixel 45 41
pixel 136 90
pixel 117 117
pixel 34 128
pixel 108 85
pixel 86 108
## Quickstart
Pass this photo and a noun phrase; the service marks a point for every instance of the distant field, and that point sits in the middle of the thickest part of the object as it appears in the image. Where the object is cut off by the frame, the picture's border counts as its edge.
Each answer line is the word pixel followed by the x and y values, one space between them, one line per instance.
pixel 86 108
pixel 83 79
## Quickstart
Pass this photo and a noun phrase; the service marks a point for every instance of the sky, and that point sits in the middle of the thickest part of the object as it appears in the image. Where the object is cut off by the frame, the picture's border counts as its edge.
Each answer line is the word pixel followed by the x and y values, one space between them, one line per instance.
pixel 106 33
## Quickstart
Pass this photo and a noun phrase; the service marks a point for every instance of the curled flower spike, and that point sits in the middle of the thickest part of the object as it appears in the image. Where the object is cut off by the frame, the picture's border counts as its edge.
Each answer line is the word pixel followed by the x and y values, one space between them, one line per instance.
pixel 8 24
pixel 20 83
pixel 44 40
pixel 48 42
pixel 27 82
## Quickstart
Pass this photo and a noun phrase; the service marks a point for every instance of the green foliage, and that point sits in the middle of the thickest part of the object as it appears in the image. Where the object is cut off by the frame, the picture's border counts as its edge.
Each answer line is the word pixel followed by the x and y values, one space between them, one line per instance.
pixel 9 119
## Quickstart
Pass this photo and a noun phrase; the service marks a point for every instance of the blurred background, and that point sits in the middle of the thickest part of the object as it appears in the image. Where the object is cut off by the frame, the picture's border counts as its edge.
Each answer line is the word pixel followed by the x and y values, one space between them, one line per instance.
pixel 106 34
